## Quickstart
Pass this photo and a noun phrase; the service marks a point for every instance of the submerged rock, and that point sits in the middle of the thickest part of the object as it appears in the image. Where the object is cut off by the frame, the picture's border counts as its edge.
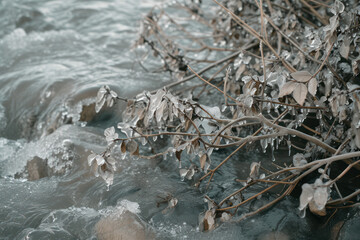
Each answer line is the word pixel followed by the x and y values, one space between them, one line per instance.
pixel 88 113
pixel 127 226
pixel 274 236
pixel 37 168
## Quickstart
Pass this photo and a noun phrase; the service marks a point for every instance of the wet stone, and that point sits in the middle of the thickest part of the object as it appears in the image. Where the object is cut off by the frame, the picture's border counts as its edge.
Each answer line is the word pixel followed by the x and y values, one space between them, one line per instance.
pixel 274 236
pixel 87 113
pixel 350 229
pixel 37 168
pixel 127 226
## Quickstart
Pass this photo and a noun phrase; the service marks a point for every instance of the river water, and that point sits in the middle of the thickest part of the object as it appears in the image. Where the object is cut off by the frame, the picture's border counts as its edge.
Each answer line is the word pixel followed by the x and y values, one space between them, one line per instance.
pixel 54 56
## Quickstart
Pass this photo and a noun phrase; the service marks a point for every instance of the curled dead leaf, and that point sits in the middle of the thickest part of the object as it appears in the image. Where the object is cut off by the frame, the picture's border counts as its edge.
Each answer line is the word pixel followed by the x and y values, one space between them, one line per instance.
pixel 123 147
pixel 209 220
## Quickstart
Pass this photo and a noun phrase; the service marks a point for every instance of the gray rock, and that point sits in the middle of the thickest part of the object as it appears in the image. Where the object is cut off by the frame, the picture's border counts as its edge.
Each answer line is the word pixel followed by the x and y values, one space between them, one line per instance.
pixel 127 226
pixel 37 168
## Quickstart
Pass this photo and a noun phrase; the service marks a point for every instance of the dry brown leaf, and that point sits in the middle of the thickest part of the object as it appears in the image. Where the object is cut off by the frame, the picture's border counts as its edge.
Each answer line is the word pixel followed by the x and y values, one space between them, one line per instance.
pixel 300 93
pixel 203 161
pixel 178 155
pixel 312 86
pixel 187 125
pixel 301 76
pixel 315 210
pixel 209 221
pixel 123 147
pixel 287 89
pixel 136 153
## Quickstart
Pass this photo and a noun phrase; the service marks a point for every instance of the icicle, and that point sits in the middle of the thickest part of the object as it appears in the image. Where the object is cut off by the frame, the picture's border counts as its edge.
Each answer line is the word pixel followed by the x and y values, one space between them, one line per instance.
pixel 289 145
pixel 302 213
pixel 272 150
pixel 264 143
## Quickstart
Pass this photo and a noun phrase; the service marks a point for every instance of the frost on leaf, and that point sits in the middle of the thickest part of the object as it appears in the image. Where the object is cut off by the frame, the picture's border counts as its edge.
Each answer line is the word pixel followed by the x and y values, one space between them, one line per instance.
pixel 103 166
pixel 91 158
pixel 301 76
pixel 187 173
pixel 110 134
pixel 300 93
pixel 298 161
pixel 172 203
pixel 105 95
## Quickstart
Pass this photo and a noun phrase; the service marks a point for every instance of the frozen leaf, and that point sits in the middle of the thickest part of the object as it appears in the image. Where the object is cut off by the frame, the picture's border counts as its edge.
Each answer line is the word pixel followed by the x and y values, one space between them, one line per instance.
pixel 99 160
pixel 287 89
pixel 131 146
pixel 91 158
pixel 355 66
pixel 111 161
pixel 110 101
pixel 110 134
pixel 99 104
pixel 113 94
pixel 299 160
pixel 312 86
pixel 160 111
pixel 240 71
pixel 300 93
pixel 190 173
pixel 306 196
pixel 225 217
pixel 345 49
pixel 320 195
pixel 301 76
pixel 183 172
pixel 172 203
pixel 334 22
pixel 337 7
pixel 101 93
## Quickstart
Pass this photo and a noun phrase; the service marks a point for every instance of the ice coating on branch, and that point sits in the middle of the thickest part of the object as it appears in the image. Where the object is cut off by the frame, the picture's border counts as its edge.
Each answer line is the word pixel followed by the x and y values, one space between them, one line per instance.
pixel 105 94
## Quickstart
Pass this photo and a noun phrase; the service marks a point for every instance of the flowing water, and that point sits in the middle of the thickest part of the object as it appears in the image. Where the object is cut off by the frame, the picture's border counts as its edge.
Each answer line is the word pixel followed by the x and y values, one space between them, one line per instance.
pixel 54 56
